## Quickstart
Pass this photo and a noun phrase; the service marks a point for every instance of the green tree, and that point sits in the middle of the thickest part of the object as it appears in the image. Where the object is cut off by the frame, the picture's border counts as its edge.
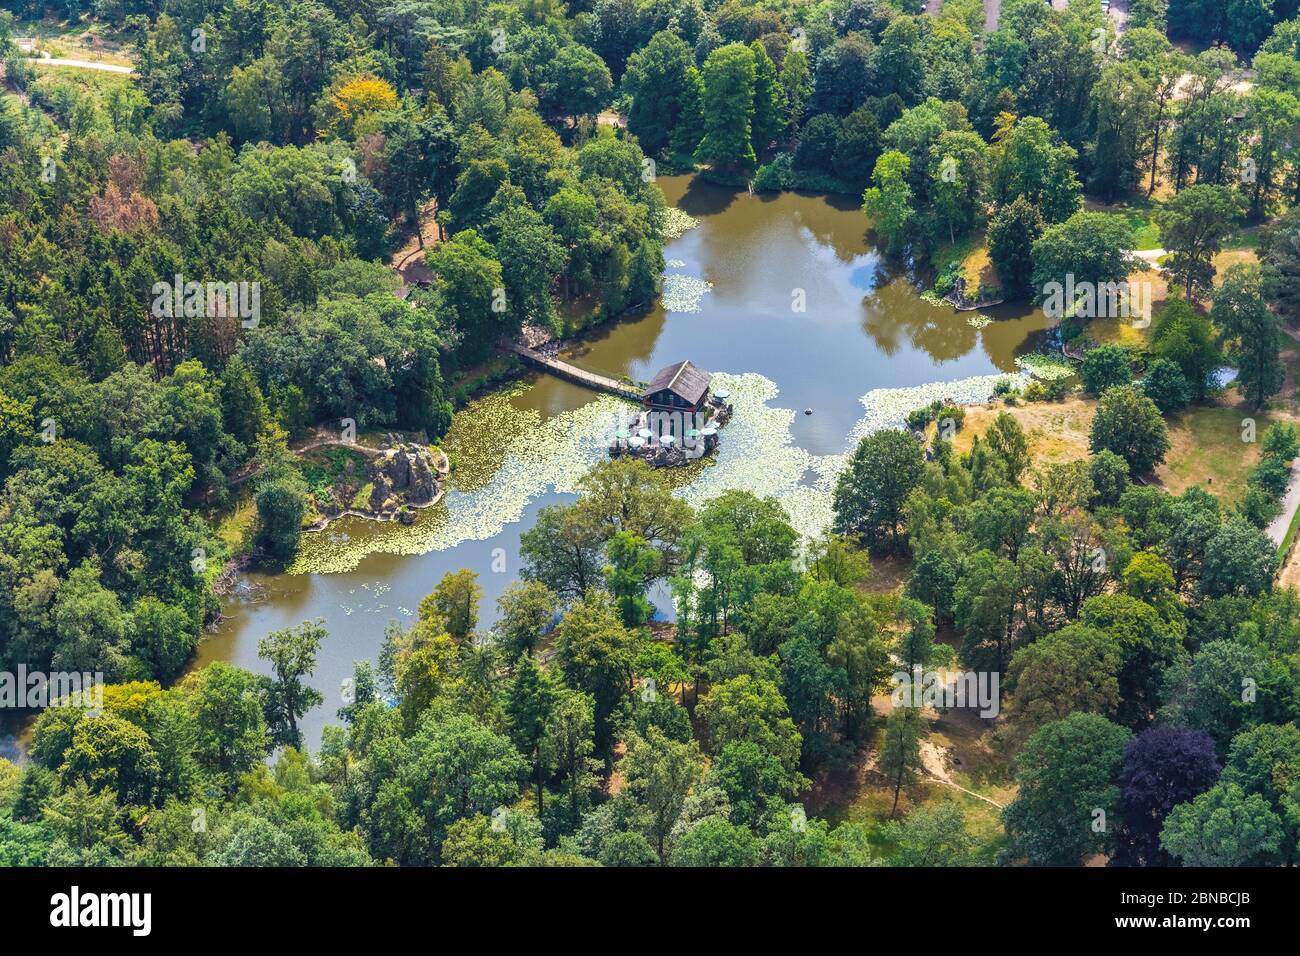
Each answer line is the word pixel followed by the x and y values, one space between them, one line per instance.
pixel 227 713
pixel 727 107
pixel 1239 561
pixel 1223 827
pixel 748 708
pixel 1165 385
pixel 631 562
pixel 457 597
pixel 931 836
pixel 1093 248
pixel 888 203
pixel 468 275
pixel 1071 670
pixel 870 493
pixel 1105 366
pixel 1032 162
pixel 1193 225
pixel 769 100
pixel 595 653
pixel 291 652
pixel 1183 335
pixel 1012 232
pixel 566 750
pixel 657 79
pixel 1129 424
pixel 1068 804
pixel 1252 332
pixel 659 772
pixel 529 707
pixel 900 751
pixel 715 842
pixel 691 128
pixel 525 611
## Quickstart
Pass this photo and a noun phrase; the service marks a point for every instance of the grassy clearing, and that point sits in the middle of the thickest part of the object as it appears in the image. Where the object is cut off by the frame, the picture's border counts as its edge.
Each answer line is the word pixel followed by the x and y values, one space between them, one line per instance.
pixel 1056 431
pixel 1137 213
pixel 862 794
pixel 93 42
pixel 322 467
pixel 1206 446
pixel 1118 332
pixel 973 252
pixel 236 525
pixel 1207 450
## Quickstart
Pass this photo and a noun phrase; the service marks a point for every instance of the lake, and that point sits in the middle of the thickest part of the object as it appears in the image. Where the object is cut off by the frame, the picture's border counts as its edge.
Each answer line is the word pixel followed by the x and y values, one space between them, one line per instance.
pixel 859 355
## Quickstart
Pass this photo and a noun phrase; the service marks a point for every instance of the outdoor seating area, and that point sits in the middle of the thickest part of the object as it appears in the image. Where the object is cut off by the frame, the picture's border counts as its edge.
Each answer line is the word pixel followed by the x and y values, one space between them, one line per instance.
pixel 679 419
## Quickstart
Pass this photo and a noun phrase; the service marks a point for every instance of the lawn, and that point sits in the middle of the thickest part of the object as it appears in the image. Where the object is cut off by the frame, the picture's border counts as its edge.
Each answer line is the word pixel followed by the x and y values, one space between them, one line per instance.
pixel 322 467
pixel 973 252
pixel 1137 213
pixel 1206 446
pixel 1207 450
pixel 75 41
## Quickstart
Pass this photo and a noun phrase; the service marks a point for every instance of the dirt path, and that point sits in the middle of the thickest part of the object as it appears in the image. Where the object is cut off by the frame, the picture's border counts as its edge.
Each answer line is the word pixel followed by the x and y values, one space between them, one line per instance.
pixel 408 261
pixel 26 44
pixel 935 761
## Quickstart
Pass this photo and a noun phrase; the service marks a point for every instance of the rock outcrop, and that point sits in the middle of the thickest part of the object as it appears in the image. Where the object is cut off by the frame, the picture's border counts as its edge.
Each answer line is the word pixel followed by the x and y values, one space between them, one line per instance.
pixel 405 469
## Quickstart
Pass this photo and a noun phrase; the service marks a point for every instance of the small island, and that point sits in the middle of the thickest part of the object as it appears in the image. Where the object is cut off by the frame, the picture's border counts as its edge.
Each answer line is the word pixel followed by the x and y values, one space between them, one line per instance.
pixel 678 421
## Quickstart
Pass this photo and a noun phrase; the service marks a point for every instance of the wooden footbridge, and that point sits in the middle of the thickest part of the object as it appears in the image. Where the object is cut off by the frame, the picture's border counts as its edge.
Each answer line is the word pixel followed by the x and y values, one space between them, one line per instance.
pixel 573 373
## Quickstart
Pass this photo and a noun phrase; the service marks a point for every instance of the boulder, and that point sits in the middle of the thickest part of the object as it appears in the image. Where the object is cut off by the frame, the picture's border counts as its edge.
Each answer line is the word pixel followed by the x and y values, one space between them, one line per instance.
pixel 381 492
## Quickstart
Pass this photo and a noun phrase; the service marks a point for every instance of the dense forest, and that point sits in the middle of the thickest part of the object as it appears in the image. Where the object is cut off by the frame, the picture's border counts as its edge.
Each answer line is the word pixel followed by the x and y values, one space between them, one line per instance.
pixel 291 150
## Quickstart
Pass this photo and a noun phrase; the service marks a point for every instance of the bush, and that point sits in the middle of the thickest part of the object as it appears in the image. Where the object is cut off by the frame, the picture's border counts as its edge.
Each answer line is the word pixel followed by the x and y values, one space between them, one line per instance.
pixel 918 418
pixel 1104 367
pixel 1046 390
pixel 946 280
pixel 776 176
pixel 1166 385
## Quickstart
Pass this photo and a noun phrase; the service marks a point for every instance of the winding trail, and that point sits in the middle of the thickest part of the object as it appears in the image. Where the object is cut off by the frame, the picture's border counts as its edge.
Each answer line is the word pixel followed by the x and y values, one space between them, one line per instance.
pixel 932 758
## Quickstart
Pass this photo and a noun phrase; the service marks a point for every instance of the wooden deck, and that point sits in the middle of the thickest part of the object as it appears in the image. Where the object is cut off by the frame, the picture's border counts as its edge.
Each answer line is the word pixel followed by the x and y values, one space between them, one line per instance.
pixel 572 373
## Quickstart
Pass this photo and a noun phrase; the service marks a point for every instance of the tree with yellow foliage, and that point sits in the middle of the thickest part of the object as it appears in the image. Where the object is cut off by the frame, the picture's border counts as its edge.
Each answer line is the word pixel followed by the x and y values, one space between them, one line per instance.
pixel 353 101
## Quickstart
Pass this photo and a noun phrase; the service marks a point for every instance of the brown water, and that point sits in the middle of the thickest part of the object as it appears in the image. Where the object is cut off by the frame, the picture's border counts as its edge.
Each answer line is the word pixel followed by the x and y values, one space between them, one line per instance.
pixel 864 328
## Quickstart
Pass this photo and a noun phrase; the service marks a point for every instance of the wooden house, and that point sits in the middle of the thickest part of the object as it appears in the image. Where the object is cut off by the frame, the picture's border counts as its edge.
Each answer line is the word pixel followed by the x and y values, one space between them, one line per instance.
pixel 681 387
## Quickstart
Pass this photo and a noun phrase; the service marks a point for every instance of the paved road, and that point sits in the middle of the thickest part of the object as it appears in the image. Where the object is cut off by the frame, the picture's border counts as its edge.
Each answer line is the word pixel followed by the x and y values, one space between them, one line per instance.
pixel 1290 502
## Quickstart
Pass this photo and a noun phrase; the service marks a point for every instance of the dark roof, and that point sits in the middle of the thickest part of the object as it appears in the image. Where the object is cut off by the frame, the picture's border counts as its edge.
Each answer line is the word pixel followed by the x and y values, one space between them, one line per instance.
pixel 682 379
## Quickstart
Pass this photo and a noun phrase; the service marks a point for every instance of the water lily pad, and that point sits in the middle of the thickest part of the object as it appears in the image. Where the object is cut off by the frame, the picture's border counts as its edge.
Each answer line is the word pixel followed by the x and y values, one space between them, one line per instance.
pixel 1044 366
pixel 674 222
pixel 683 294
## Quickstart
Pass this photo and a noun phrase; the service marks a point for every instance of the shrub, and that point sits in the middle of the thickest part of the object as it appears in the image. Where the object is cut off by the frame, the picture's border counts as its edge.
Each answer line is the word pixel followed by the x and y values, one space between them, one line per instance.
pixel 1104 367
pixel 1166 385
